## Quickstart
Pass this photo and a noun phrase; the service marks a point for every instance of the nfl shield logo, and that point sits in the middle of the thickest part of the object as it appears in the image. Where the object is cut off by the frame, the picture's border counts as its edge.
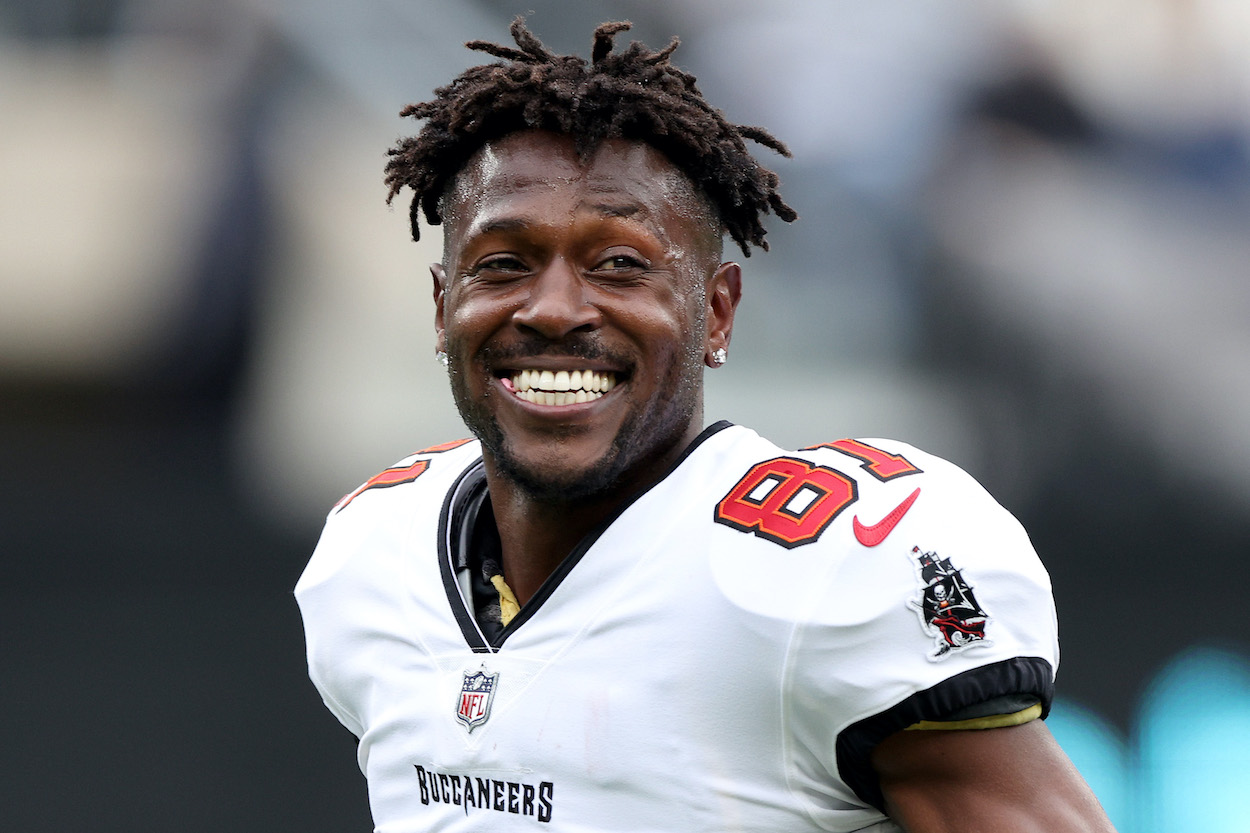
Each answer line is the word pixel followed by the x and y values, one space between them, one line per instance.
pixel 476 695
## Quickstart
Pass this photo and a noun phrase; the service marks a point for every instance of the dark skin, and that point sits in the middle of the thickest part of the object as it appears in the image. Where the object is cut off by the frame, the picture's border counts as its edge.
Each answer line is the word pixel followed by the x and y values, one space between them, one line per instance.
pixel 611 266
pixel 1014 779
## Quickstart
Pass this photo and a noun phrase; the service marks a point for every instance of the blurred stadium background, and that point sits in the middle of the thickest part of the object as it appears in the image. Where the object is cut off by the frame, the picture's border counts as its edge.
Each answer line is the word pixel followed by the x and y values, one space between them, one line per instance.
pixel 1025 246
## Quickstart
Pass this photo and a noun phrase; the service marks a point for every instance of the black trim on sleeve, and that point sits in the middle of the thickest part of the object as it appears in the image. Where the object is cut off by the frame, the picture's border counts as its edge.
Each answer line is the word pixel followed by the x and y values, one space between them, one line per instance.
pixel 1007 704
pixel 1020 675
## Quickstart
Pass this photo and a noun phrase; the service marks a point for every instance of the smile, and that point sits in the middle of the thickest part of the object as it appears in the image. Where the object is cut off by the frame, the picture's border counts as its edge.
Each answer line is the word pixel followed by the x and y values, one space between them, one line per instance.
pixel 560 387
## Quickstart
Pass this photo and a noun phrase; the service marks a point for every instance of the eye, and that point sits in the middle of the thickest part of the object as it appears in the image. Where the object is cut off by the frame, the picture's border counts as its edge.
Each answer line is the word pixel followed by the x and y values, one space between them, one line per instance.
pixel 499 264
pixel 619 263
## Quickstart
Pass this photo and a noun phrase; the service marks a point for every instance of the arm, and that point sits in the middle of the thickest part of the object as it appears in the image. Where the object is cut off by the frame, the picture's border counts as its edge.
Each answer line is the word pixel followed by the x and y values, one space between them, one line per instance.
pixel 1008 779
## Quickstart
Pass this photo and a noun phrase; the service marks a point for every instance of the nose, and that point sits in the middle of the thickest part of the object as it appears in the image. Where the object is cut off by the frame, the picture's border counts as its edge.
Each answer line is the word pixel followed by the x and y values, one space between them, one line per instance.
pixel 558 303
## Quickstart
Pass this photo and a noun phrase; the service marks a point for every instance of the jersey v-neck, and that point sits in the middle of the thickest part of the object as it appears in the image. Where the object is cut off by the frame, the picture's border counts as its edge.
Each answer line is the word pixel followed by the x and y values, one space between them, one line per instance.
pixel 469 542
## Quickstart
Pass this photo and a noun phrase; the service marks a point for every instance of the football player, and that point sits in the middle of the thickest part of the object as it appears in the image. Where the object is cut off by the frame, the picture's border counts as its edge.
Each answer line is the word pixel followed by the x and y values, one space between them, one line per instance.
pixel 599 614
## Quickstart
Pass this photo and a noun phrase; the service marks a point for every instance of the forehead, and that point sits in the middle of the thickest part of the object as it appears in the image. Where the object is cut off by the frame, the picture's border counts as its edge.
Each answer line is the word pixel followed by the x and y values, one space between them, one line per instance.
pixel 536 169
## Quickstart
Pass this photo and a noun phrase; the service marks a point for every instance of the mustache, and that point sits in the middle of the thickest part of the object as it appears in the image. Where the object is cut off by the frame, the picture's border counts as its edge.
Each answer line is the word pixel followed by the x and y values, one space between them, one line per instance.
pixel 575 346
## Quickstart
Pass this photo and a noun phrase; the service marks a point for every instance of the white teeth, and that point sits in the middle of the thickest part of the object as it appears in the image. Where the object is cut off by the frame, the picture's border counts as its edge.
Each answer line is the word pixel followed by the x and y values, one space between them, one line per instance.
pixel 562 387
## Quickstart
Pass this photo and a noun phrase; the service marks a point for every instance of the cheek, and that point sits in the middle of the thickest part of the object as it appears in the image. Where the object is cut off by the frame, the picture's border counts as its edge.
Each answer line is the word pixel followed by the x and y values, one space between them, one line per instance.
pixel 659 325
pixel 673 336
pixel 683 306
pixel 689 313
pixel 470 318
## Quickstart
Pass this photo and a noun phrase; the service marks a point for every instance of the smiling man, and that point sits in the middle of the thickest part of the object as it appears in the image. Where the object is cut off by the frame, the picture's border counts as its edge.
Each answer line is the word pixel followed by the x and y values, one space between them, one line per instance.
pixel 605 271
pixel 600 615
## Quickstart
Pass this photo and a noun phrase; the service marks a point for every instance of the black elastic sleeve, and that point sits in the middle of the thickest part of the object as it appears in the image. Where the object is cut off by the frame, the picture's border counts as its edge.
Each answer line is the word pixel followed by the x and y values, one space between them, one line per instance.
pixel 1017 676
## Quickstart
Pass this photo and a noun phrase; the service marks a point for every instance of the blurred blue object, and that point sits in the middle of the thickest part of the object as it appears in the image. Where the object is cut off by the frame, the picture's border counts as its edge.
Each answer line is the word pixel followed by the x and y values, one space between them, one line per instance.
pixel 1193 745
pixel 1188 768
pixel 1101 754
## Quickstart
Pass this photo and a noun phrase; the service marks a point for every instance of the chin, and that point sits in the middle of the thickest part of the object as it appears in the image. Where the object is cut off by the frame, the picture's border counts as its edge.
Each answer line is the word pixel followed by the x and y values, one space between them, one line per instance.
pixel 548 482
pixel 584 466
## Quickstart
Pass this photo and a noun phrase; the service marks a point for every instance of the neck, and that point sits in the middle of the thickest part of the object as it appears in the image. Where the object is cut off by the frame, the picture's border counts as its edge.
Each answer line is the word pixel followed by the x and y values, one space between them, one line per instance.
pixel 536 535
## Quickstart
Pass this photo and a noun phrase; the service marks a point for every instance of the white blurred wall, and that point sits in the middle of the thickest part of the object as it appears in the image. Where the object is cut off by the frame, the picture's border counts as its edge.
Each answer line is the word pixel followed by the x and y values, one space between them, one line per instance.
pixel 1132 280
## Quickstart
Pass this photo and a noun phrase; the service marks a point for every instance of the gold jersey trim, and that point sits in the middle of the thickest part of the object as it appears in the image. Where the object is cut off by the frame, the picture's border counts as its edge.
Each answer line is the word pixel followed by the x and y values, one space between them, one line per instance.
pixel 993 721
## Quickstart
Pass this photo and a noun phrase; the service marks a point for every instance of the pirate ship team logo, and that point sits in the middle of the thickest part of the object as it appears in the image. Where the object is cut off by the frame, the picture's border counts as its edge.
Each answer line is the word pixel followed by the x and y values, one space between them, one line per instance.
pixel 948 609
pixel 476 695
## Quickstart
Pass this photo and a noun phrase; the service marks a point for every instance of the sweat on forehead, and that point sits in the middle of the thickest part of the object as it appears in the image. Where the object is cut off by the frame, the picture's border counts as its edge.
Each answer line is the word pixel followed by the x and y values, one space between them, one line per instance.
pixel 609 173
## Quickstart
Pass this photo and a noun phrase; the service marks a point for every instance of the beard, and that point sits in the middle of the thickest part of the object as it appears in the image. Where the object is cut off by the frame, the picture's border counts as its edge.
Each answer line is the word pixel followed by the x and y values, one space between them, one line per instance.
pixel 647 433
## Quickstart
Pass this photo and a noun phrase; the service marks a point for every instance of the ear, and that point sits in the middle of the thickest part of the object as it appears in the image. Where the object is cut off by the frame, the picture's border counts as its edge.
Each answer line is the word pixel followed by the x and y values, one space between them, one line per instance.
pixel 724 291
pixel 440 292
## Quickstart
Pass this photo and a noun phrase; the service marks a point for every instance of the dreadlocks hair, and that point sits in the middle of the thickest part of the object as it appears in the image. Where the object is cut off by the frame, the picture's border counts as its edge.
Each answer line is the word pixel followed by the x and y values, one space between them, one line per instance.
pixel 635 95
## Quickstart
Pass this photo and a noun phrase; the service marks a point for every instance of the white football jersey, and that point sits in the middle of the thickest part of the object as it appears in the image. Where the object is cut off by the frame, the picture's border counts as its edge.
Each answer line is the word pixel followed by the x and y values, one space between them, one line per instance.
pixel 721 656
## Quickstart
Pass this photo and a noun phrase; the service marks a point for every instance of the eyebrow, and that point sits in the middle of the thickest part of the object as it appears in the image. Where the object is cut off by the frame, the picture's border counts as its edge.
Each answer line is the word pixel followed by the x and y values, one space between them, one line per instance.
pixel 504 224
pixel 507 224
pixel 609 210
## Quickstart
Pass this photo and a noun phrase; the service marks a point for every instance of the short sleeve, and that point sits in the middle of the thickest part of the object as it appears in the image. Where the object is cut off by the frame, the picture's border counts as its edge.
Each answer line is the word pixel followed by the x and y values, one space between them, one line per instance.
pixel 952 609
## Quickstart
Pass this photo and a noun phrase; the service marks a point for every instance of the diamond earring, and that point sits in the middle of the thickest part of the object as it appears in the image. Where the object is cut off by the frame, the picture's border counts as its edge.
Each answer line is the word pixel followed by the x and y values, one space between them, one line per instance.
pixel 441 357
pixel 719 356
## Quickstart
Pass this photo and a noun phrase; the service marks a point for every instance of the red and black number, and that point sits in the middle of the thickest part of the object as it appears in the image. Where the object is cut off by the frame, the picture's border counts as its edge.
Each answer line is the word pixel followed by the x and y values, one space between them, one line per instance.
pixel 390 477
pixel 880 464
pixel 787 501
pixel 399 474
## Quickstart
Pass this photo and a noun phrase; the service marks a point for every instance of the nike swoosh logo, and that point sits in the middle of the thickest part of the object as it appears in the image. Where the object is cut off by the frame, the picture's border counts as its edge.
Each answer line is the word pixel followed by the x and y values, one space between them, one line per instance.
pixel 870 536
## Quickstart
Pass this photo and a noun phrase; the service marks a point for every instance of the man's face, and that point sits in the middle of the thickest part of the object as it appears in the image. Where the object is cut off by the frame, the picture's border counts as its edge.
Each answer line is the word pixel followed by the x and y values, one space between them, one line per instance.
pixel 577 303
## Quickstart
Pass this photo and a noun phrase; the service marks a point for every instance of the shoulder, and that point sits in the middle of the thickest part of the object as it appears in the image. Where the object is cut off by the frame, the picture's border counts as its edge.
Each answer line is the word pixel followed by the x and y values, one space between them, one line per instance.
pixel 860 515
pixel 382 512
pixel 877 549
pixel 445 459
pixel 912 592
pixel 848 491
